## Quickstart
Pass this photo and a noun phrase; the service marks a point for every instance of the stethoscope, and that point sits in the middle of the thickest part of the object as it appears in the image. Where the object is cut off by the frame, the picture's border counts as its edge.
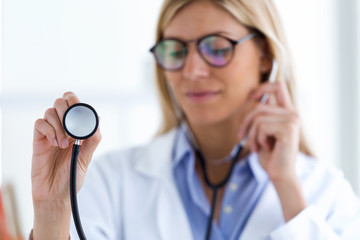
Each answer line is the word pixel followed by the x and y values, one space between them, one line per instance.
pixel 81 122
pixel 215 187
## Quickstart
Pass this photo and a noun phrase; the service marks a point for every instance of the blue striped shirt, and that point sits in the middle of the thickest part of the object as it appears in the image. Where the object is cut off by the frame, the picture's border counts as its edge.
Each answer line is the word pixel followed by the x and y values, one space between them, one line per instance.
pixel 243 191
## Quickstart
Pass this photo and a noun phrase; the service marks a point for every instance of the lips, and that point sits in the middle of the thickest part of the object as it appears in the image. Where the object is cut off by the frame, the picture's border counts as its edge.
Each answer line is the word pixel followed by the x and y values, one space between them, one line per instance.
pixel 201 96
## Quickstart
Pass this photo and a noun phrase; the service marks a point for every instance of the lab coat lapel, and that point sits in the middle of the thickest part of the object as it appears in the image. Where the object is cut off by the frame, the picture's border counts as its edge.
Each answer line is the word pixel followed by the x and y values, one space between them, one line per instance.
pixel 170 213
pixel 172 219
pixel 266 216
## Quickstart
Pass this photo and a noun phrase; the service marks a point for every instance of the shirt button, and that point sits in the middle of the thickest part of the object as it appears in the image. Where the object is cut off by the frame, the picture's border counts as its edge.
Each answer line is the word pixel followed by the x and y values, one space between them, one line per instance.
pixel 233 187
pixel 228 209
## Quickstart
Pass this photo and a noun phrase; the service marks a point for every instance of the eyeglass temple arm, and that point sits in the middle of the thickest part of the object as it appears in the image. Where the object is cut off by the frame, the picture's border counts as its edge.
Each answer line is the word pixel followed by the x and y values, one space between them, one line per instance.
pixel 247 37
pixel 265 97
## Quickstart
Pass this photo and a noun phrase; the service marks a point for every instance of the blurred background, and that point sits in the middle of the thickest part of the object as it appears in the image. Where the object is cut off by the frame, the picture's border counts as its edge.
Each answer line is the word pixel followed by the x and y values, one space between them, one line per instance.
pixel 99 50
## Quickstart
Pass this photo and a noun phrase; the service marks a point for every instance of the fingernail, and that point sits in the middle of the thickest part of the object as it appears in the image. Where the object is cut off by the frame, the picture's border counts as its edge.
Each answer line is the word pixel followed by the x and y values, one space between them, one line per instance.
pixel 64 143
pixel 55 142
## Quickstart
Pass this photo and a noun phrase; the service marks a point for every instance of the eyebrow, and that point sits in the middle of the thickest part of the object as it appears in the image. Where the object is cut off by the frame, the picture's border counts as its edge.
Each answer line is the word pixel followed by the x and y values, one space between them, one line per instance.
pixel 227 34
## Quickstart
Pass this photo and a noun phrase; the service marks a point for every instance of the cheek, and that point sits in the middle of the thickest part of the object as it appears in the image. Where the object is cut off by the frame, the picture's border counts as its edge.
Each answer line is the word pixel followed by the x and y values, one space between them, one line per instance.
pixel 246 63
pixel 242 76
pixel 173 79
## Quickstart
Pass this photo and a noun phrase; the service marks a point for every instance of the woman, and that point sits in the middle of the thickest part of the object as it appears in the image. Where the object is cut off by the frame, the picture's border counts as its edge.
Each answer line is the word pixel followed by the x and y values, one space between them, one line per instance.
pixel 214 59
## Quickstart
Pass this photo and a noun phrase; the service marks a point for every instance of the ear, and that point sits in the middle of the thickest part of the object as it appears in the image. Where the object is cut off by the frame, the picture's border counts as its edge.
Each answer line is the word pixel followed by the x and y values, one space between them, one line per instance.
pixel 265 63
pixel 265 57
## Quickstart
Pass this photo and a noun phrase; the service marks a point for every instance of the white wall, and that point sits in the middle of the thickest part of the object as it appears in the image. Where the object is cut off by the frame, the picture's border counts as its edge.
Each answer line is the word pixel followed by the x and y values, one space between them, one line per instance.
pixel 324 39
pixel 358 98
pixel 311 31
pixel 348 85
pixel 99 49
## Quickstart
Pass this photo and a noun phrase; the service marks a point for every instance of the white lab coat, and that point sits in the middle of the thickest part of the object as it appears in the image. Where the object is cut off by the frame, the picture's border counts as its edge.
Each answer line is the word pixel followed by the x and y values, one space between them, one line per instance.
pixel 132 195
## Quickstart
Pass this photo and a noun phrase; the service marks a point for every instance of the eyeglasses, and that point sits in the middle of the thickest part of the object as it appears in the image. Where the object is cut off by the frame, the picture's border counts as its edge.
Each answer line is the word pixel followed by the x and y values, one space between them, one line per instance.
pixel 216 50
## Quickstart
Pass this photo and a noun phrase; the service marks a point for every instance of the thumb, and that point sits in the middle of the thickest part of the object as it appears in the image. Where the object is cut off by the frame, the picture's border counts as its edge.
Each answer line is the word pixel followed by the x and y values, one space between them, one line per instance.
pixel 89 145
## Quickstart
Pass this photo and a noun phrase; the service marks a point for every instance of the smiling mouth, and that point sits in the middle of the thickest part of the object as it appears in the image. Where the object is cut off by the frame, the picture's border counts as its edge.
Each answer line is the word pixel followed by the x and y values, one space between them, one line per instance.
pixel 201 96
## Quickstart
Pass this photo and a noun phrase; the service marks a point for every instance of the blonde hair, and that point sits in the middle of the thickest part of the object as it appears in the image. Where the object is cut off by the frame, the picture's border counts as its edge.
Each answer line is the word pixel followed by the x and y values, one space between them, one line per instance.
pixel 260 15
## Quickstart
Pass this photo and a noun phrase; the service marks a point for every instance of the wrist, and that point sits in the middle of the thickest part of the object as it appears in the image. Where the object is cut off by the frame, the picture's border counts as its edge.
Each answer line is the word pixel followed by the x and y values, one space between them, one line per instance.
pixel 51 220
pixel 281 179
pixel 291 196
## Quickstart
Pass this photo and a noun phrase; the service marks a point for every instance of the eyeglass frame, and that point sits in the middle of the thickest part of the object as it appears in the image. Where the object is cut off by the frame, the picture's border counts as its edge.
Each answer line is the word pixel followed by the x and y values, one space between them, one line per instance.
pixel 233 43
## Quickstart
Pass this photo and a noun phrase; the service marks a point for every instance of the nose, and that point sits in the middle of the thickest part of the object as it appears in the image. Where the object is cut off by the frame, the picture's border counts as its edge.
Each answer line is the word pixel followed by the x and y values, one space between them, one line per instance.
pixel 195 67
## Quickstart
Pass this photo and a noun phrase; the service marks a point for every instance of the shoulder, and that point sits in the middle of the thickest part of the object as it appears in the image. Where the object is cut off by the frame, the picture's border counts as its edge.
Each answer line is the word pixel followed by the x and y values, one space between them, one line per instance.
pixel 312 169
pixel 319 175
pixel 325 186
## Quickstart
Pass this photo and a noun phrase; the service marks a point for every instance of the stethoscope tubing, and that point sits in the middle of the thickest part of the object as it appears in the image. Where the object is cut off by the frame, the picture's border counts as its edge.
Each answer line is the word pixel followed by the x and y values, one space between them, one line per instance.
pixel 73 194
pixel 73 165
pixel 216 186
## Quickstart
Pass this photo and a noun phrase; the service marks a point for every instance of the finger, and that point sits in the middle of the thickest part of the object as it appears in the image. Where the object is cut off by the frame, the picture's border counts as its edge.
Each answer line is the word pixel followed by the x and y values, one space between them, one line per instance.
pixel 71 98
pixel 252 137
pixel 280 91
pixel 267 127
pixel 90 145
pixel 281 129
pixel 60 106
pixel 42 129
pixel 52 118
pixel 258 110
pixel 268 131
pixel 257 127
pixel 262 137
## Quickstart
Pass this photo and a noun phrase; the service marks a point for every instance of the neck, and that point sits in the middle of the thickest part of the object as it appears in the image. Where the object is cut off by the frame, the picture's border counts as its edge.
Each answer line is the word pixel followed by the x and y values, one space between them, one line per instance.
pixel 216 141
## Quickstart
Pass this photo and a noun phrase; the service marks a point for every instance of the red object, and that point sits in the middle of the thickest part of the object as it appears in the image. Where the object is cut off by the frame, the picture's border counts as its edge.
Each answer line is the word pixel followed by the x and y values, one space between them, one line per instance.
pixel 4 234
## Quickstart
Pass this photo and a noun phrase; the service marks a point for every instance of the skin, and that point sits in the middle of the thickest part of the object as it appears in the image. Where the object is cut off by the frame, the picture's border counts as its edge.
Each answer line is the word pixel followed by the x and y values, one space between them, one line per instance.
pixel 232 109
pixel 218 123
pixel 50 172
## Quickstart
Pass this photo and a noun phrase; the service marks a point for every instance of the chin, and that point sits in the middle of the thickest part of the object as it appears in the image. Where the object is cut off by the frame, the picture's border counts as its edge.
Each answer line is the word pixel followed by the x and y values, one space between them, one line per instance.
pixel 205 117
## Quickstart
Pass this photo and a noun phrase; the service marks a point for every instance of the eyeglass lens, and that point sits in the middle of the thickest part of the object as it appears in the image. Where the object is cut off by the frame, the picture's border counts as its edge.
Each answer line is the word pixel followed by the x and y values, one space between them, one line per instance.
pixel 170 54
pixel 215 50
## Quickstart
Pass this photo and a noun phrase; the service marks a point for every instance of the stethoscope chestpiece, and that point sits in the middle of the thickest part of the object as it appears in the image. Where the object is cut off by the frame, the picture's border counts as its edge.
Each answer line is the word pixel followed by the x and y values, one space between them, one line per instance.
pixel 80 121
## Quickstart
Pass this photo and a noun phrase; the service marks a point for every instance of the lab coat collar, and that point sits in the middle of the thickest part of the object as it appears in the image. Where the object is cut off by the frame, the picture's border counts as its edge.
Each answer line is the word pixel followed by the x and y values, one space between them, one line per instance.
pixel 155 159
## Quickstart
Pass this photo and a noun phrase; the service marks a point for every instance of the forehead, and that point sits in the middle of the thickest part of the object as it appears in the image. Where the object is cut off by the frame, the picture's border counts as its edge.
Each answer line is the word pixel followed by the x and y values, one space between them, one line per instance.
pixel 201 18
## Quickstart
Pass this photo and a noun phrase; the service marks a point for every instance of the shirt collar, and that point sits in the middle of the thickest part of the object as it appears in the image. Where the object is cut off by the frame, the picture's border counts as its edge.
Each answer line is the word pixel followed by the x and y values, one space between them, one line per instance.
pixel 256 168
pixel 182 147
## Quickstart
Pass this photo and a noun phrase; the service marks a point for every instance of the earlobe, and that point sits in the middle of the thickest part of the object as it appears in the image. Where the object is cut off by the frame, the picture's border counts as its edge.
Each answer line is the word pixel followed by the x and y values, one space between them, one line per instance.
pixel 265 63
pixel 262 68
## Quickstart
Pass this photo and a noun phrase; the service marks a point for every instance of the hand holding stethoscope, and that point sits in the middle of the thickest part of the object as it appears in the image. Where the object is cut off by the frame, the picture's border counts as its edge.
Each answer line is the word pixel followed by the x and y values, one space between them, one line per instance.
pixel 273 131
pixel 50 173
